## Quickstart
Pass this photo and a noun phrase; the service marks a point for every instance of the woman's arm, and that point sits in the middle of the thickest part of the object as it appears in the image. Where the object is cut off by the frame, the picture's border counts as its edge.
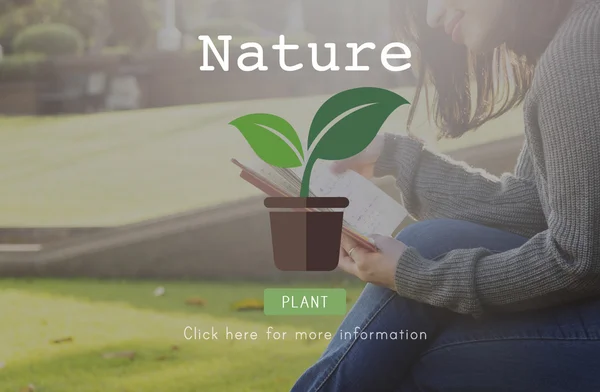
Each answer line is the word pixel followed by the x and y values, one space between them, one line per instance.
pixel 435 186
pixel 562 263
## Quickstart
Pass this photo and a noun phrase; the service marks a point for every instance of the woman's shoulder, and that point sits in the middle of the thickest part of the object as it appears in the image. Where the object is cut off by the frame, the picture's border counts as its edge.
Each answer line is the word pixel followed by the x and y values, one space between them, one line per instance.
pixel 566 84
pixel 580 28
pixel 582 4
pixel 585 2
pixel 574 52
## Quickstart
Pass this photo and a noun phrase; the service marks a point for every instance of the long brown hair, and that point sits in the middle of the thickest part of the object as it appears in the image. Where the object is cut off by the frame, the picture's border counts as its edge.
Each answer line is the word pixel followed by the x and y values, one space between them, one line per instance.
pixel 501 77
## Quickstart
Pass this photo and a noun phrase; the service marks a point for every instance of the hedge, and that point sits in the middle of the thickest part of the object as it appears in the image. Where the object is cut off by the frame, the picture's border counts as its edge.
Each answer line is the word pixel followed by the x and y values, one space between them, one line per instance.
pixel 22 67
pixel 50 39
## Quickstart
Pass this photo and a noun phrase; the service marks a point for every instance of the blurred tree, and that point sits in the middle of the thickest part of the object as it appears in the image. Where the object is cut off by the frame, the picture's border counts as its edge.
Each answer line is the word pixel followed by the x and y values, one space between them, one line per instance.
pixel 134 22
pixel 129 23
pixel 18 14
pixel 192 13
pixel 80 14
pixel 7 5
pixel 271 15
pixel 348 20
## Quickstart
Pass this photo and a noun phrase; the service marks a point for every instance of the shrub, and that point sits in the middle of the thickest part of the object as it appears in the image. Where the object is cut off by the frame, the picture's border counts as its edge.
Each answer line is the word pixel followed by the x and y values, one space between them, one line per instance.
pixel 49 39
pixel 23 67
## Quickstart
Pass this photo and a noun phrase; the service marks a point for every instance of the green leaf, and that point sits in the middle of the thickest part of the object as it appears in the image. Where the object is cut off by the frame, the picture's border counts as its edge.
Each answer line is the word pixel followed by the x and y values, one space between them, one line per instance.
pixel 269 135
pixel 354 117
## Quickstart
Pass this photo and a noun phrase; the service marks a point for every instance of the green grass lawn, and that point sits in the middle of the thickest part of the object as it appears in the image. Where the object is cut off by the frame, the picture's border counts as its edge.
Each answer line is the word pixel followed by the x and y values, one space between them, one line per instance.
pixel 102 318
pixel 117 168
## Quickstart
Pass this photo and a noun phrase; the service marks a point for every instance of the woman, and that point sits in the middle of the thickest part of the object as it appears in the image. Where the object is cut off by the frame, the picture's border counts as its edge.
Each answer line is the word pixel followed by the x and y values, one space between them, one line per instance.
pixel 501 274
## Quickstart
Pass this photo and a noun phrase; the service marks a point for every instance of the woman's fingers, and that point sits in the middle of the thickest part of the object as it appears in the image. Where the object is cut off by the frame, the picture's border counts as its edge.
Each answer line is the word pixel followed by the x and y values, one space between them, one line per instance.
pixel 363 162
pixel 389 246
pixel 355 252
pixel 346 264
pixel 372 267
pixel 339 167
pixel 347 244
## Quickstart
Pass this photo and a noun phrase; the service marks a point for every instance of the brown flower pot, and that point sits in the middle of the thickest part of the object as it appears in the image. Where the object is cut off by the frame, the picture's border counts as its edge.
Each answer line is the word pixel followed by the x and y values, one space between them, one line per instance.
pixel 306 240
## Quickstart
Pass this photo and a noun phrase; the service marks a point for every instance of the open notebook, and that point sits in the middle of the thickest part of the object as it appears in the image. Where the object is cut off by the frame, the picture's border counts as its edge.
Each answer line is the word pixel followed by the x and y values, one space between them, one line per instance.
pixel 371 210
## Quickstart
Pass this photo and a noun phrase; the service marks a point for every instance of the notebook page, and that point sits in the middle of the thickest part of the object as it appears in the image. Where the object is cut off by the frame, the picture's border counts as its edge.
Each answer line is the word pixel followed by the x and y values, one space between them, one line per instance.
pixel 290 178
pixel 292 175
pixel 371 210
pixel 271 174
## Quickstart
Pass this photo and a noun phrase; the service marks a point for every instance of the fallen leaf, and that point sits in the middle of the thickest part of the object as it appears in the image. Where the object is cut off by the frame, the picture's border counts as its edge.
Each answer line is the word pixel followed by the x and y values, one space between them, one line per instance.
pixel 120 354
pixel 68 339
pixel 28 388
pixel 248 304
pixel 195 301
pixel 174 348
pixel 159 291
pixel 162 358
pixel 348 299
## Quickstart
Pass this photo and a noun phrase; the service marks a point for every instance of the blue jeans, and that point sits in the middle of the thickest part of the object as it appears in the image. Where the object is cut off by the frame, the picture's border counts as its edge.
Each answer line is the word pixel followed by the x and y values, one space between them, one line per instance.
pixel 547 350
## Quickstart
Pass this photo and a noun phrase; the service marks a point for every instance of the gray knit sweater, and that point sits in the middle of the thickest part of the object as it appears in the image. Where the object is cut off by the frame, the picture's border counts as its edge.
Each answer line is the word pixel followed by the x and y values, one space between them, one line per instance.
pixel 553 197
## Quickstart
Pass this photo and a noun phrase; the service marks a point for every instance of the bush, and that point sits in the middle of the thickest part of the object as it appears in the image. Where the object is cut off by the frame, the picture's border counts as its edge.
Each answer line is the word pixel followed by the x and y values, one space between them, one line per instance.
pixel 17 68
pixel 50 39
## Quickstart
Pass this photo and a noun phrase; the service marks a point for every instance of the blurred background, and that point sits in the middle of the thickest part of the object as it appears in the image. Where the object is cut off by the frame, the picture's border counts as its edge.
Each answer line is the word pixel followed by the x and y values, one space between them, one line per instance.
pixel 122 219
pixel 73 56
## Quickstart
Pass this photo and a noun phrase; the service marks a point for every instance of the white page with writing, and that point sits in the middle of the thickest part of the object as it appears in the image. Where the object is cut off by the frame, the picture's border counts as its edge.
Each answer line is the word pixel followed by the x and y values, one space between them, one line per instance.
pixel 371 210
pixel 271 174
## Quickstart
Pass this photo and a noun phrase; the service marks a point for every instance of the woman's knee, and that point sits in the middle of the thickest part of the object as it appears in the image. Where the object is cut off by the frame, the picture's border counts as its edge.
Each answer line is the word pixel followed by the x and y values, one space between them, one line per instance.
pixel 410 235
pixel 425 236
pixel 434 238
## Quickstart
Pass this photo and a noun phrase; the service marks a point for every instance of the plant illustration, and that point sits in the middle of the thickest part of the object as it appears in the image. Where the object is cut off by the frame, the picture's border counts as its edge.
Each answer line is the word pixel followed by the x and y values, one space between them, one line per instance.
pixel 342 127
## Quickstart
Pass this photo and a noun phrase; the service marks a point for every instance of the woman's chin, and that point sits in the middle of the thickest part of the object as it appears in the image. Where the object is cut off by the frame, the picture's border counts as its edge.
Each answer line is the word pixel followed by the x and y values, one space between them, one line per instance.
pixel 478 44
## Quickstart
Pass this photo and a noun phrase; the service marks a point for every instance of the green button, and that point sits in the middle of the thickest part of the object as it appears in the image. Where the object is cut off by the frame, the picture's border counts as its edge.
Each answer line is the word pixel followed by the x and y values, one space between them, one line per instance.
pixel 305 302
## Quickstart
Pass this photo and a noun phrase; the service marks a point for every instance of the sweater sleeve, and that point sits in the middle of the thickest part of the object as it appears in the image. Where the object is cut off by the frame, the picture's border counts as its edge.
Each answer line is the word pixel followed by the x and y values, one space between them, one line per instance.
pixel 435 186
pixel 562 263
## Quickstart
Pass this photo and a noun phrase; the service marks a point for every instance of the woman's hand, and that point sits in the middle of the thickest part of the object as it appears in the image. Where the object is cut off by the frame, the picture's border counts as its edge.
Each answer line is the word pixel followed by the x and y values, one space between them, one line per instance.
pixel 364 162
pixel 372 267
